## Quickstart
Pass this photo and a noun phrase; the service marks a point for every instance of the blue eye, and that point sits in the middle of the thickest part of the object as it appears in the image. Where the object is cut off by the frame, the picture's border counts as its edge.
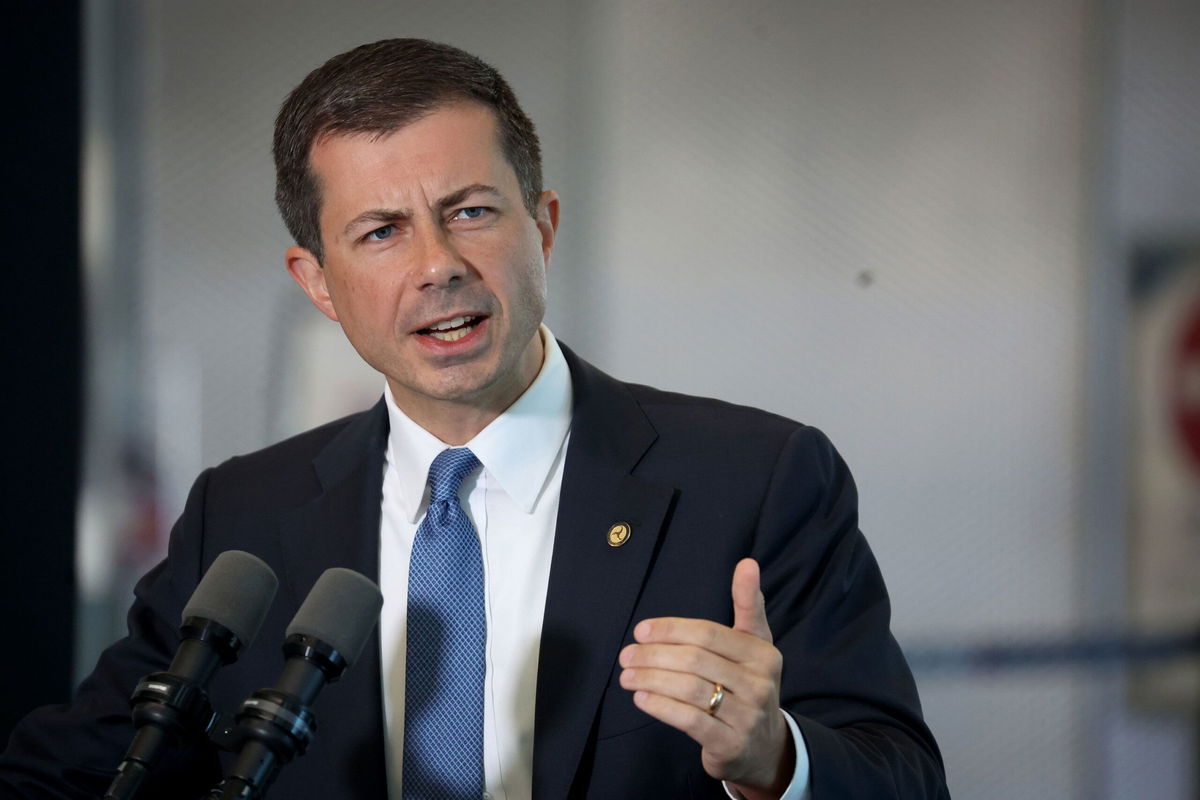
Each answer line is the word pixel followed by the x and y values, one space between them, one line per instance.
pixel 471 212
pixel 379 234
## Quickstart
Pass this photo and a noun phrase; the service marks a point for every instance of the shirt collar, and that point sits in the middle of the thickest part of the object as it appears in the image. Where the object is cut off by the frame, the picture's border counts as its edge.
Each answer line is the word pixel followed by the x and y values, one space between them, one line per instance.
pixel 517 449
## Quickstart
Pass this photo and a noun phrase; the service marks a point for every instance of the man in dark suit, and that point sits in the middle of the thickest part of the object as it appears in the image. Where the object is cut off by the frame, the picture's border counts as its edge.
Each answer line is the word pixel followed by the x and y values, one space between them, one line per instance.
pixel 706 621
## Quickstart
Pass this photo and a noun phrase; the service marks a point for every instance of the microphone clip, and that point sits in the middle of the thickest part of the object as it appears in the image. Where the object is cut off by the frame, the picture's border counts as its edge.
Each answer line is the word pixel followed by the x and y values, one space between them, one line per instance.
pixel 172 703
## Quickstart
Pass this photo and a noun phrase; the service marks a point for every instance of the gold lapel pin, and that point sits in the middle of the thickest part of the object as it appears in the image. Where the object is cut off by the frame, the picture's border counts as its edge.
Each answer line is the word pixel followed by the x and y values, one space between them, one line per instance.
pixel 618 534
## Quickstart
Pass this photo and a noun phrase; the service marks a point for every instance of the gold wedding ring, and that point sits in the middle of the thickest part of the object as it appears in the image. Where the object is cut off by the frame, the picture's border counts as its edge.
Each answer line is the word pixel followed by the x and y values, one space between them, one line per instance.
pixel 714 702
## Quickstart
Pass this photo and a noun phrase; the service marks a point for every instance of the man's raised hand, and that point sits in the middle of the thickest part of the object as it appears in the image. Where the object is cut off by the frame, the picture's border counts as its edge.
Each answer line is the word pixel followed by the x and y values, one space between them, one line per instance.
pixel 681 669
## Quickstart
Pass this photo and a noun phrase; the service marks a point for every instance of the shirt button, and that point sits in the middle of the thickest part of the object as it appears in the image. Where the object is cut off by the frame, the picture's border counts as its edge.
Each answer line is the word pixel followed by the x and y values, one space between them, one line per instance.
pixel 487 796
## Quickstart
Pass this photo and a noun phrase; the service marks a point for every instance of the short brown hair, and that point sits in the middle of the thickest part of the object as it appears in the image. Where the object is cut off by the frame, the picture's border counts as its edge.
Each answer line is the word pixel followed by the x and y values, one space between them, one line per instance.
pixel 379 88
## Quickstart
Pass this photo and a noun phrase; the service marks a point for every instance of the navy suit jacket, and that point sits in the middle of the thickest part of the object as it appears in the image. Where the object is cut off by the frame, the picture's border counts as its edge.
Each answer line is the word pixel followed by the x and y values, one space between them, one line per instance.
pixel 701 484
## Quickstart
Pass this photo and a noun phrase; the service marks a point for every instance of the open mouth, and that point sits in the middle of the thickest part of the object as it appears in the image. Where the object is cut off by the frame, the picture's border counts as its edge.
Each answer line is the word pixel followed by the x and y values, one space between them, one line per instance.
pixel 451 330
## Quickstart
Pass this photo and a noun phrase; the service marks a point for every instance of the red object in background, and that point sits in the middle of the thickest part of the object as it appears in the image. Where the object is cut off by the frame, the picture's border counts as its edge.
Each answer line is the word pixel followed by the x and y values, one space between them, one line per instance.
pixel 1185 389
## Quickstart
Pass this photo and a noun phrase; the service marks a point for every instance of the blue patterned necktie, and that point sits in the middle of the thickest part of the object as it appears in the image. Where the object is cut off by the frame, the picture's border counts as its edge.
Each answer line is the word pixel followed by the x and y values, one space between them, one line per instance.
pixel 447 632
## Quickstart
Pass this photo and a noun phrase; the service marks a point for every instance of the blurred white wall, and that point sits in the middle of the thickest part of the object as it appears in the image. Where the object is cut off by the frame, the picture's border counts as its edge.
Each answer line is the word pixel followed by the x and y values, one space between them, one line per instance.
pixel 881 219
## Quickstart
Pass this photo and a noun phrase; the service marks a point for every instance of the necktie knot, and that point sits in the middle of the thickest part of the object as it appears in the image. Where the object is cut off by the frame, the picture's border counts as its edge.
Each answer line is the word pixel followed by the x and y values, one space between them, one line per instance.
pixel 447 471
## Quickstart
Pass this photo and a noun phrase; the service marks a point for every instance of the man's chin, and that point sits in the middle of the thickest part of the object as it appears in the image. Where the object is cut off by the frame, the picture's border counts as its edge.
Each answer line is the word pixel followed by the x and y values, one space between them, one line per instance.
pixel 460 385
pixel 486 382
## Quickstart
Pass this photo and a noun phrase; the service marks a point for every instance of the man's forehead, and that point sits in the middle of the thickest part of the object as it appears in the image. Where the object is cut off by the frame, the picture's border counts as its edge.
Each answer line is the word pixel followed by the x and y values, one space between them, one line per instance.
pixel 422 165
pixel 449 139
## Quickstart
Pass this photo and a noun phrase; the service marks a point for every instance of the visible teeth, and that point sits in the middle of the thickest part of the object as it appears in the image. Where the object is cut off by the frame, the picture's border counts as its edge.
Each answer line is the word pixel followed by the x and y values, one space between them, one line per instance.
pixel 450 336
pixel 451 323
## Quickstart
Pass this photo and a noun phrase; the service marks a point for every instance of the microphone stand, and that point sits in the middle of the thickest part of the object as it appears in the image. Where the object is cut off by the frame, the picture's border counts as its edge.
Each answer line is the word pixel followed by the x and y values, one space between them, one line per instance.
pixel 173 704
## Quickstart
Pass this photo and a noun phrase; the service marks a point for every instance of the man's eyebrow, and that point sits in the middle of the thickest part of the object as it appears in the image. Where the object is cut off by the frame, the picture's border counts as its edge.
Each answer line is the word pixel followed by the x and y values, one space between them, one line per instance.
pixel 454 198
pixel 384 215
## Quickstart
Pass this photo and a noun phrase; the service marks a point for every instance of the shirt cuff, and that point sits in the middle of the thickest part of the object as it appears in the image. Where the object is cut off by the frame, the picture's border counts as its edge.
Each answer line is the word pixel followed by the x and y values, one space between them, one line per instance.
pixel 798 788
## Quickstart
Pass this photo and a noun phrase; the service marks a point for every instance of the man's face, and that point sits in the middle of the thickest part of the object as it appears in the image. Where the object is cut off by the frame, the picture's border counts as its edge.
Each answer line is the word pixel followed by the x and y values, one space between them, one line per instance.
pixel 433 265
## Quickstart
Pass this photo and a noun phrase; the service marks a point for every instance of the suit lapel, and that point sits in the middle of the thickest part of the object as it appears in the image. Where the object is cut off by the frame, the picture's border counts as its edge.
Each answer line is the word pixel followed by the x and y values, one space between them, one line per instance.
pixel 340 528
pixel 593 585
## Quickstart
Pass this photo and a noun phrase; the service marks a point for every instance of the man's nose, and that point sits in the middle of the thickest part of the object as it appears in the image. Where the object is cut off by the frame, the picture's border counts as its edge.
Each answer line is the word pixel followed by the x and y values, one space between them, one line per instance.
pixel 438 263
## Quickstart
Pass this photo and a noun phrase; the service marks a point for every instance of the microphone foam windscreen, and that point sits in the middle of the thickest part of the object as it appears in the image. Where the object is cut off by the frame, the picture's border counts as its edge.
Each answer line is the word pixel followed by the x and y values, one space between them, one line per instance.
pixel 236 592
pixel 341 611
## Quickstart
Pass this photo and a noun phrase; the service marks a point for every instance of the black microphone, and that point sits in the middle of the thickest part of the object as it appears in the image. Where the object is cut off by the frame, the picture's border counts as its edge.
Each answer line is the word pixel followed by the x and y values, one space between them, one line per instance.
pixel 325 637
pixel 220 620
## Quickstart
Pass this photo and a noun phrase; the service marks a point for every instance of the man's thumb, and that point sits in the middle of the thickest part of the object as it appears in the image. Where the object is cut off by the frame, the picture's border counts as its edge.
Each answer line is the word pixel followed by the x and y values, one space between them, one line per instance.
pixel 749 611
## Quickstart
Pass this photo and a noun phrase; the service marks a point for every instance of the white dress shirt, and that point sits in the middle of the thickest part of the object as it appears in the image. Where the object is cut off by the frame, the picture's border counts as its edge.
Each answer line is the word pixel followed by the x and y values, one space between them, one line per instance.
pixel 513 503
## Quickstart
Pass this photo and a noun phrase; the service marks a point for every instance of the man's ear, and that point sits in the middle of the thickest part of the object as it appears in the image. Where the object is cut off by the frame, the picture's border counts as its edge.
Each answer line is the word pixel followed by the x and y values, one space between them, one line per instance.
pixel 306 270
pixel 547 221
